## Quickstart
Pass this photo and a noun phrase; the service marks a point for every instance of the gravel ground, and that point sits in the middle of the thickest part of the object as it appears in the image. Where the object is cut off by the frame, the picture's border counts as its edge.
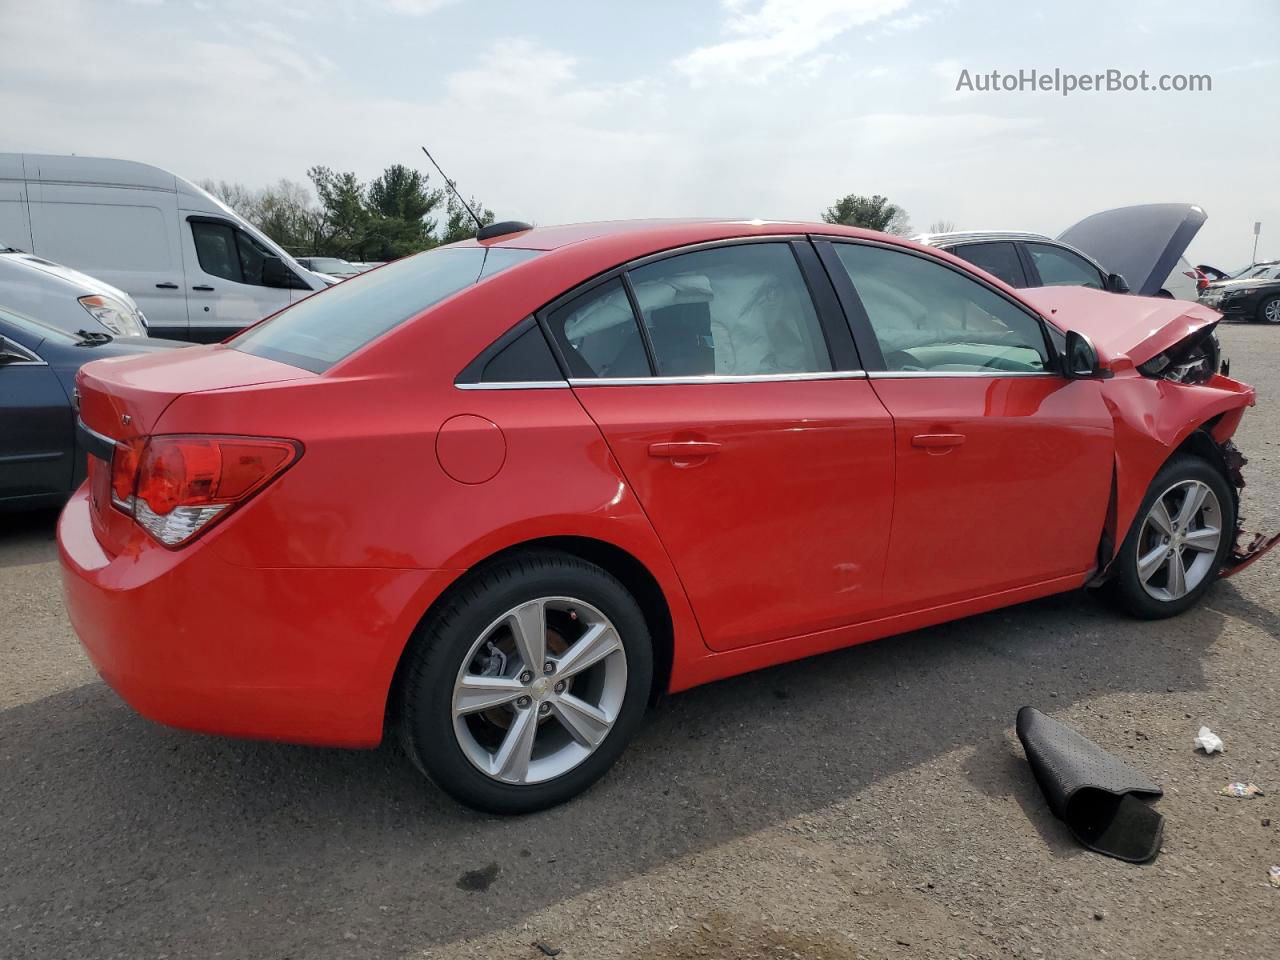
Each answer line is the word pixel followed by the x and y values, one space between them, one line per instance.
pixel 869 803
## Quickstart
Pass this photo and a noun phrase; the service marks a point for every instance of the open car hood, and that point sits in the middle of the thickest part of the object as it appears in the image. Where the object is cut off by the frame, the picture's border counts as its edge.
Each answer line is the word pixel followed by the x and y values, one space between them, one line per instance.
pixel 1141 243
pixel 1133 327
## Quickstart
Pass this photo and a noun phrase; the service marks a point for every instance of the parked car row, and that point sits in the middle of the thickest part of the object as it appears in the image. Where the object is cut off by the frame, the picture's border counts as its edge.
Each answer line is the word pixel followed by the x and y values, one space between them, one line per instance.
pixel 1251 295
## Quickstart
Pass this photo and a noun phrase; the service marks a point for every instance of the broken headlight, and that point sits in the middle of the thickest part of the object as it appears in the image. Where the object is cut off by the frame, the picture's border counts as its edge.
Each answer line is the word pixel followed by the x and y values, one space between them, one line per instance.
pixel 1193 360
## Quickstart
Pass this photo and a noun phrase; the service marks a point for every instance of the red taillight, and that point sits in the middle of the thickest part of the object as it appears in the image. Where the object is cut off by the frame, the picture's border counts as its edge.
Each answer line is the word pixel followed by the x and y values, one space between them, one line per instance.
pixel 177 486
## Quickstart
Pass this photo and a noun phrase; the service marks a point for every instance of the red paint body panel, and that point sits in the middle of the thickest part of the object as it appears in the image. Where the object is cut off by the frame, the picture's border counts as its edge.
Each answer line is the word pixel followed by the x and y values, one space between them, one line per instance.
pixel 1153 418
pixel 1020 500
pixel 783 529
pixel 817 522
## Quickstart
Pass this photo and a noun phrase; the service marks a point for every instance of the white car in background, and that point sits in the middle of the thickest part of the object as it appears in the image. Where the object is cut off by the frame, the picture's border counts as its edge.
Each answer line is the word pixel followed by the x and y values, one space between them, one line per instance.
pixel 1143 244
pixel 198 270
pixel 64 298
pixel 334 267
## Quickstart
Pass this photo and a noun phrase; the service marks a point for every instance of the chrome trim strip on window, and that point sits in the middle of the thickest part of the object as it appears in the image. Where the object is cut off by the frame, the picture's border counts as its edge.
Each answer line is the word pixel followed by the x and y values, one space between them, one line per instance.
pixel 515 385
pixel 893 374
pixel 715 378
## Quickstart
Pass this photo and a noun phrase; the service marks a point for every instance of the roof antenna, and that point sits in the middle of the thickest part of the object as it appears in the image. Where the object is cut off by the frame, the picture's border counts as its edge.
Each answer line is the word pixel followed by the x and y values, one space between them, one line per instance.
pixel 482 232
pixel 454 187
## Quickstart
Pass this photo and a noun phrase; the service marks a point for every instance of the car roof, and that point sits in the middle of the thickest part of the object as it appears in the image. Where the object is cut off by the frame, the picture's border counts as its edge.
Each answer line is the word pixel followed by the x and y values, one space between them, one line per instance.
pixel 968 236
pixel 650 235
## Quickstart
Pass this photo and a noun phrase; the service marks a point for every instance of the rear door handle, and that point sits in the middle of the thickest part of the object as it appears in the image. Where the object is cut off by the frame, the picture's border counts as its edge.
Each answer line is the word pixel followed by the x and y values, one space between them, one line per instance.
pixel 203 287
pixel 932 441
pixel 166 286
pixel 683 449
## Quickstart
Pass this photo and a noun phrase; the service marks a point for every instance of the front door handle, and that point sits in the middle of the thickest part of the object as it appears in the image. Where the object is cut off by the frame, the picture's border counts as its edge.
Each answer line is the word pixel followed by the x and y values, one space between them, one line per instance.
pixel 204 288
pixel 683 449
pixel 934 441
pixel 166 286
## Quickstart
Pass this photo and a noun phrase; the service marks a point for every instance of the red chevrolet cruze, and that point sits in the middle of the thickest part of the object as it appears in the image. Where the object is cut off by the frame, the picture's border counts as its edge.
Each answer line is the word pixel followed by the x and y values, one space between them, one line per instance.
pixel 501 494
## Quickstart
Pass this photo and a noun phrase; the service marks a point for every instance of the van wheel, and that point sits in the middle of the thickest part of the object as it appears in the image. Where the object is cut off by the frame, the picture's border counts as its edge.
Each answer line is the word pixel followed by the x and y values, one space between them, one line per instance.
pixel 524 688
pixel 1178 541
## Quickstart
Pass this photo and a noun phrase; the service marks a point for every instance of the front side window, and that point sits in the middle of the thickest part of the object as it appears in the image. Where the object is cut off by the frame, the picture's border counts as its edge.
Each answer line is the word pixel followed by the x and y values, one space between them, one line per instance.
pixel 1000 259
pixel 1062 268
pixel 227 252
pixel 730 311
pixel 216 250
pixel 929 318
pixel 317 332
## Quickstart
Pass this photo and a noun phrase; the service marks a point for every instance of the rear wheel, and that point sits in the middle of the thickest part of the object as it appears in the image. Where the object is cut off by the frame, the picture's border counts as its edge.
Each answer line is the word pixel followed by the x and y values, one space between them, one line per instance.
pixel 1269 310
pixel 1178 541
pixel 524 688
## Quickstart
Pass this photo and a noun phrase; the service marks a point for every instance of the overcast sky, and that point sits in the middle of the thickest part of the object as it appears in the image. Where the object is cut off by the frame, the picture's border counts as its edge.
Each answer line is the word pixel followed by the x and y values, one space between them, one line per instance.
pixel 565 111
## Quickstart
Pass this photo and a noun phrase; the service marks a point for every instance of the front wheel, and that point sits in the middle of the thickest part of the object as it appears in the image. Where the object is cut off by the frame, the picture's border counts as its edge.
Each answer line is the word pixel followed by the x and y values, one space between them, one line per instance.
pixel 1269 310
pixel 527 683
pixel 1178 541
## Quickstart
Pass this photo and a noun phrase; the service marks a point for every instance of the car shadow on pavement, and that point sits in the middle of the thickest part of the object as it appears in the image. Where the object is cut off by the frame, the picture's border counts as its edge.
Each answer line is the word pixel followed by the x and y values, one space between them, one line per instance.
pixel 122 836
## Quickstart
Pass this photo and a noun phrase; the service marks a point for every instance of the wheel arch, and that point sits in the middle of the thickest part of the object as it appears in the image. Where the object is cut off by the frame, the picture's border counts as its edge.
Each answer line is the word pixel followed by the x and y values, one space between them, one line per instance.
pixel 638 579
pixel 1199 440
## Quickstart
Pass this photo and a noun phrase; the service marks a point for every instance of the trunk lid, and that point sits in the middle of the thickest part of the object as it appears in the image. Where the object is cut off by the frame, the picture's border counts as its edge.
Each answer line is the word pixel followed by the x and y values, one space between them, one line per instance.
pixel 123 398
pixel 1141 243
pixel 1133 327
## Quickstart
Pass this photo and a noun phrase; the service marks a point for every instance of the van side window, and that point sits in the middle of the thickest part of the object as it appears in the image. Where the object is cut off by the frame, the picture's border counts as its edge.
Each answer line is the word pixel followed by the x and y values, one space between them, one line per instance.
pixel 216 250
pixel 224 251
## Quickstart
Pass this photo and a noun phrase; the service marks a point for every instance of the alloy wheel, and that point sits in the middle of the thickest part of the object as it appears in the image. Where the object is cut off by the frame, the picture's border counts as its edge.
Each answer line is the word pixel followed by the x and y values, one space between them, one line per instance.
pixel 539 690
pixel 1271 312
pixel 1179 541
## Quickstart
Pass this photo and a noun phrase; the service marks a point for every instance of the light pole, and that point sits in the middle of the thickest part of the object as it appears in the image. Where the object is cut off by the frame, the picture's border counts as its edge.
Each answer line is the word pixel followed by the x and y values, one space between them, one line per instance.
pixel 1257 229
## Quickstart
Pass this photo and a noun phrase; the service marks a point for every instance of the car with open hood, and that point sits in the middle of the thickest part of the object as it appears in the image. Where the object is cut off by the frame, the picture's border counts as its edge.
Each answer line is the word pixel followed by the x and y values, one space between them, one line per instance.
pixel 1135 250
pixel 496 497
pixel 1252 296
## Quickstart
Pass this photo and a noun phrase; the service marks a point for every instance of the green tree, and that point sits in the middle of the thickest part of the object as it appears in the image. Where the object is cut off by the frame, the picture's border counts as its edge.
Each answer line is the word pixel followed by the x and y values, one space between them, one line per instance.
pixel 399 204
pixel 346 216
pixel 873 213
pixel 460 225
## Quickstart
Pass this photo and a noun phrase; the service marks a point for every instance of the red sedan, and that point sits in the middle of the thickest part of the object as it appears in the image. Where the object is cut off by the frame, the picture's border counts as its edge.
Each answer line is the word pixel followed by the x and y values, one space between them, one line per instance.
pixel 501 494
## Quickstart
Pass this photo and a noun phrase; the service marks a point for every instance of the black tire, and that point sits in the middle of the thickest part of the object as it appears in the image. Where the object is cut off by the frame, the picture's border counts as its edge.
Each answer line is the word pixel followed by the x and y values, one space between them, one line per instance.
pixel 445 638
pixel 1265 305
pixel 1125 589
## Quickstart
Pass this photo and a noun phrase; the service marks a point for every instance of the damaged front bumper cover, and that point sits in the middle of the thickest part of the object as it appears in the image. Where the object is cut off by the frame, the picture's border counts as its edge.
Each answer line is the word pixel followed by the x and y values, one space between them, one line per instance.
pixel 1256 544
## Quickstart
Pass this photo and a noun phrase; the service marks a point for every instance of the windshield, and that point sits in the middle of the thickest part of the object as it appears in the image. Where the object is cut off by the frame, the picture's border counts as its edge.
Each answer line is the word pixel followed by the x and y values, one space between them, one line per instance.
pixel 317 332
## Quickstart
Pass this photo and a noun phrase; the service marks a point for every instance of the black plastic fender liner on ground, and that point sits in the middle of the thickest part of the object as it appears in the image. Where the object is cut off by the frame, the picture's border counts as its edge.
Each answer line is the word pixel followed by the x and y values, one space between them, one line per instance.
pixel 1092 792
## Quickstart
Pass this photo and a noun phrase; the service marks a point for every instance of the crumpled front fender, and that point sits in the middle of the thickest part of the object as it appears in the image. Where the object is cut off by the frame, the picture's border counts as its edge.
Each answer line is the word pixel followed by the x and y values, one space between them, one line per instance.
pixel 1153 419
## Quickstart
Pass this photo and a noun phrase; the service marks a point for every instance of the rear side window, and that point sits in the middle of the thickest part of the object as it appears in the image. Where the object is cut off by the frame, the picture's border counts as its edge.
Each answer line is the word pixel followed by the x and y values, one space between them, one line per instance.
pixel 730 311
pixel 598 335
pixel 1062 268
pixel 1000 259
pixel 317 332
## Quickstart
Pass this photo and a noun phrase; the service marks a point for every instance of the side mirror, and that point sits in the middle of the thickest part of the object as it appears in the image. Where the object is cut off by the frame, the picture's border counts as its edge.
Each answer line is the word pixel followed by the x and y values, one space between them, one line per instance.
pixel 276 274
pixel 1082 357
pixel 1117 283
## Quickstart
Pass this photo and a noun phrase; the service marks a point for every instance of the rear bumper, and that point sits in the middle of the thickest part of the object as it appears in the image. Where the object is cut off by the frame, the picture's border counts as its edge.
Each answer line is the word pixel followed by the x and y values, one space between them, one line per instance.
pixel 298 654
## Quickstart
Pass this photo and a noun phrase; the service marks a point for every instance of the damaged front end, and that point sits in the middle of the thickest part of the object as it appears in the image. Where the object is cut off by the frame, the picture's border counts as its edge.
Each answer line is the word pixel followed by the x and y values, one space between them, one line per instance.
pixel 1246 547
pixel 1197 359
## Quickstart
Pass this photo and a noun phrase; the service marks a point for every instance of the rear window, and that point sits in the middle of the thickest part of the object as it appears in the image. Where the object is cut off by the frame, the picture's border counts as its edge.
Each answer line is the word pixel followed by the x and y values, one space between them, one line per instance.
pixel 322 329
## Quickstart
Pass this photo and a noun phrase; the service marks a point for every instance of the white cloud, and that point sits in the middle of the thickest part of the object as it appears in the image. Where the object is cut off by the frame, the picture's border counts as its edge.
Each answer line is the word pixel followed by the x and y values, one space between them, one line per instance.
pixel 416 8
pixel 769 36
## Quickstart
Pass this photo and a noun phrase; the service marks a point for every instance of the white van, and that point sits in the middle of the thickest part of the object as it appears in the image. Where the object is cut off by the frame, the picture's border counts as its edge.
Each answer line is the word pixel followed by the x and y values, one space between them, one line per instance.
pixel 197 270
